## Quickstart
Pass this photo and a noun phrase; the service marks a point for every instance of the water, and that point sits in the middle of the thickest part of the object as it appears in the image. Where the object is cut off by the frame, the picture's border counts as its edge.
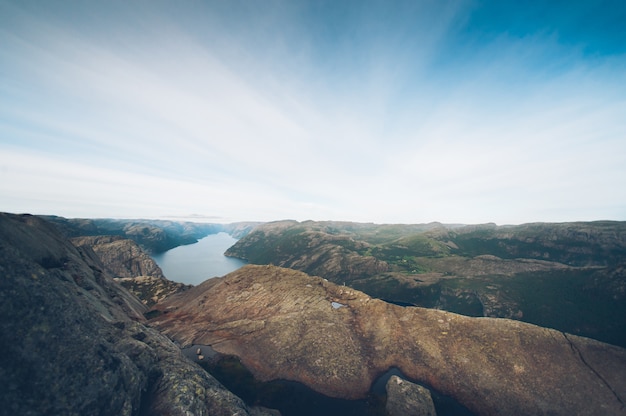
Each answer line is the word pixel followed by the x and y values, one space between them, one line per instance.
pixel 194 263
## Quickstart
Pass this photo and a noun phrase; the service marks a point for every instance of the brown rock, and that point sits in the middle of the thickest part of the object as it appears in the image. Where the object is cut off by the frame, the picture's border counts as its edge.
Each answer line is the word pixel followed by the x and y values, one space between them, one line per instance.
pixel 133 267
pixel 281 324
pixel 122 256
pixel 408 399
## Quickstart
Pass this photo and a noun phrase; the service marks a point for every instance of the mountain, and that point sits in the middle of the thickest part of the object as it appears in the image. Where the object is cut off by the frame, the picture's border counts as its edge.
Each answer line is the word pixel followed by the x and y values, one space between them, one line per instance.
pixel 154 236
pixel 75 342
pixel 285 324
pixel 240 229
pixel 132 267
pixel 567 276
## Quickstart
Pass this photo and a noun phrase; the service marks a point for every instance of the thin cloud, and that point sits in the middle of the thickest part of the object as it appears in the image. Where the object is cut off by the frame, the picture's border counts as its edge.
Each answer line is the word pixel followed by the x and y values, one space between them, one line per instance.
pixel 296 112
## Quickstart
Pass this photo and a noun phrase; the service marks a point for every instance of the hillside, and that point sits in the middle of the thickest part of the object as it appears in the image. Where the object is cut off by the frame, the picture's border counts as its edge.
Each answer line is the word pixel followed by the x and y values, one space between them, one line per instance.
pixel 132 267
pixel 74 342
pixel 567 276
pixel 154 236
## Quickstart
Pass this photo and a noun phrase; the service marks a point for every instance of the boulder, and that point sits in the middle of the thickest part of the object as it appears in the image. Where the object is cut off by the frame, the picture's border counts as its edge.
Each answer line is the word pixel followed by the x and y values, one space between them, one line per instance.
pixel 408 399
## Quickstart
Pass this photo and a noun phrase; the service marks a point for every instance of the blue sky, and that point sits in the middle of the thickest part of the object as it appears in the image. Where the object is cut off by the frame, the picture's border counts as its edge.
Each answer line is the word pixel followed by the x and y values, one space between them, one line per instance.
pixel 388 112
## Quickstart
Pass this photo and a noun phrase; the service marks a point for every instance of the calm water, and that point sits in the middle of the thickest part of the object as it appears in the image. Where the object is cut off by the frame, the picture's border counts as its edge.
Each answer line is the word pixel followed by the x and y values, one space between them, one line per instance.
pixel 195 263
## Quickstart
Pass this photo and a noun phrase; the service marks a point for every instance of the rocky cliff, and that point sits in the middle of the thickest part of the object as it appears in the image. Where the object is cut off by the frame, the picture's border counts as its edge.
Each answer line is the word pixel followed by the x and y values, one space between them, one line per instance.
pixel 284 324
pixel 123 257
pixel 132 267
pixel 74 342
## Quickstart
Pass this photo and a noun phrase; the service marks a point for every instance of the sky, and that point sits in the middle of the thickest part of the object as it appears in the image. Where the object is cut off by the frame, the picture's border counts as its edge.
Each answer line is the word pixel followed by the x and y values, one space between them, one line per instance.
pixel 371 111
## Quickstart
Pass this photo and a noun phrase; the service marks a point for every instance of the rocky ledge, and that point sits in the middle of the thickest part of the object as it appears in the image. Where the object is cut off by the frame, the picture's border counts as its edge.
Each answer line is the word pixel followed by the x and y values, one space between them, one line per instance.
pixel 132 267
pixel 74 342
pixel 285 324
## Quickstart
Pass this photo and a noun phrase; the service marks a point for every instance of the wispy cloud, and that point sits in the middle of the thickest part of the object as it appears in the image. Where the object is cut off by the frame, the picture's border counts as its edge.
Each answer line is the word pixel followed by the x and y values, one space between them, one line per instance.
pixel 303 112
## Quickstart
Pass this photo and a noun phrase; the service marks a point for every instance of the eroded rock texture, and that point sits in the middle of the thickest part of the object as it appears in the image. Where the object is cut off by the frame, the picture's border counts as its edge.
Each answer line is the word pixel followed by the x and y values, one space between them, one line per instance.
pixel 283 324
pixel 73 341
pixel 408 399
pixel 132 266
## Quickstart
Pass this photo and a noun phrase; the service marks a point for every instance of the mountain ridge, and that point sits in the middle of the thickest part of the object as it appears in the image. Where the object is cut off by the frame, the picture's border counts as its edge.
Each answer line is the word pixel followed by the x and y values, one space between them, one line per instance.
pixel 154 236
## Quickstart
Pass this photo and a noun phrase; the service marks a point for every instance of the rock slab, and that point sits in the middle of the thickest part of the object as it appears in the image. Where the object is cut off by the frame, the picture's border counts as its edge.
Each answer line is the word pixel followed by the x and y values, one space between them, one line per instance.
pixel 282 325
pixel 408 399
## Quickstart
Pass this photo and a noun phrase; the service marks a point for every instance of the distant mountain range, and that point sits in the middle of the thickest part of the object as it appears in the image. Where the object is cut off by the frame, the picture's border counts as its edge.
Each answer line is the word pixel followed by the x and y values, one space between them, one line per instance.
pixel 155 236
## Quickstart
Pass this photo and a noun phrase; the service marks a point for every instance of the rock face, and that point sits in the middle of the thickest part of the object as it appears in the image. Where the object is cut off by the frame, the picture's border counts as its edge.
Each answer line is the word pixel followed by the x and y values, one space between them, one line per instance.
pixel 123 257
pixel 133 267
pixel 283 325
pixel 408 399
pixel 73 341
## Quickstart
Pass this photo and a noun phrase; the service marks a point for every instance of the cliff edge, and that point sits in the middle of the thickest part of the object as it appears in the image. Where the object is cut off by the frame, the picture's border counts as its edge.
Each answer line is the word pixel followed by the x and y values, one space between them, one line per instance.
pixel 132 267
pixel 285 324
pixel 73 341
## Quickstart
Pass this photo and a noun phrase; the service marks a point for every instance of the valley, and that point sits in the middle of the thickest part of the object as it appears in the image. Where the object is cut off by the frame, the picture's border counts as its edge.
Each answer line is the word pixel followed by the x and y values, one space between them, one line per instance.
pixel 491 320
pixel 194 263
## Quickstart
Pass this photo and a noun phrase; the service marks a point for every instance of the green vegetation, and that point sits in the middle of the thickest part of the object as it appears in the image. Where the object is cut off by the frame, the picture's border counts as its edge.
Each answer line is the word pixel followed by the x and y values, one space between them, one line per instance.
pixel 566 300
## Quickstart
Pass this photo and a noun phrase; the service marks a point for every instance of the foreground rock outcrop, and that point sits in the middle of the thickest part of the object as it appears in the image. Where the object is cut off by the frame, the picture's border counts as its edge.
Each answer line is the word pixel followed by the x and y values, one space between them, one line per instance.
pixel 284 324
pixel 73 341
pixel 405 398
pixel 132 267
